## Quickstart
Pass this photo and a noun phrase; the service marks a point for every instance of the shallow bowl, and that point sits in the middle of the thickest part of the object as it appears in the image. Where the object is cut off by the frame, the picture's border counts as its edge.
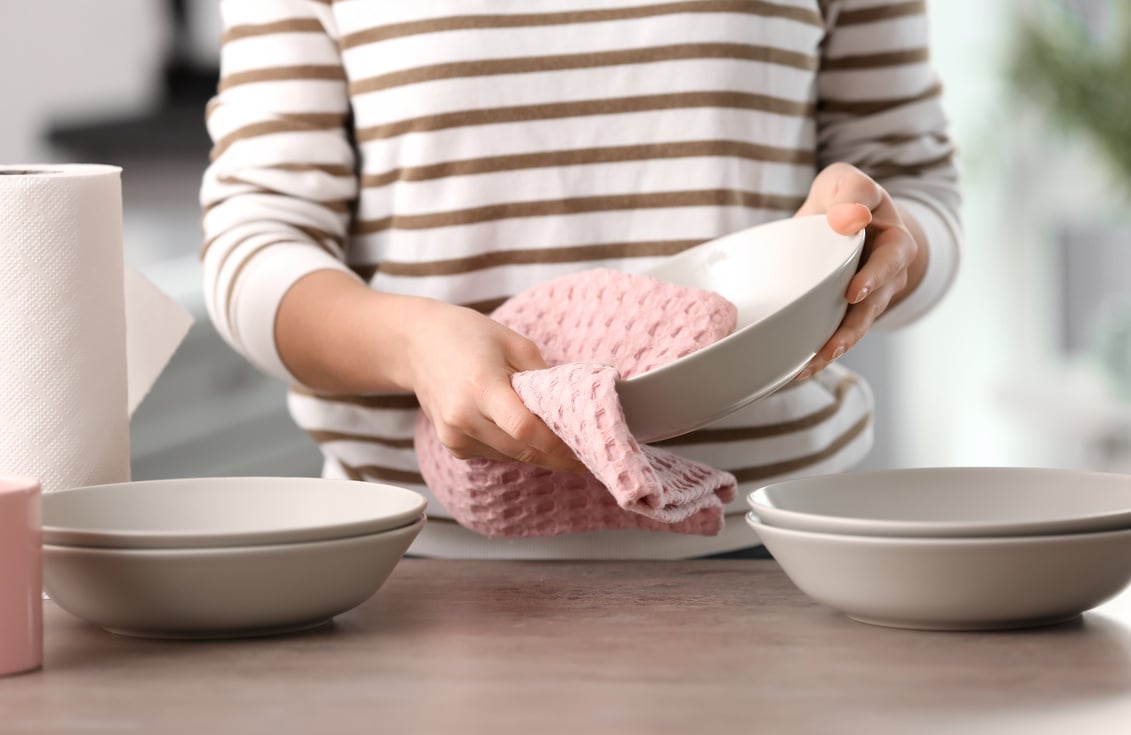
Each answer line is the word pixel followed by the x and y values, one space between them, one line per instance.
pixel 788 279
pixel 222 592
pixel 954 583
pixel 224 511
pixel 949 502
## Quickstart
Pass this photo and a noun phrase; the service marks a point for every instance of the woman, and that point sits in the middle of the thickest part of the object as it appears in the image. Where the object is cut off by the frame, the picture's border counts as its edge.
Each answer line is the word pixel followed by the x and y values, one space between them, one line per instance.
pixel 385 174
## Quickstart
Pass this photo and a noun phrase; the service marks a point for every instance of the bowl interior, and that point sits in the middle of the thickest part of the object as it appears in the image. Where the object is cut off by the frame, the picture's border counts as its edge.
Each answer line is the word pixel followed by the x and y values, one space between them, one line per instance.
pixel 954 495
pixel 224 511
pixel 762 269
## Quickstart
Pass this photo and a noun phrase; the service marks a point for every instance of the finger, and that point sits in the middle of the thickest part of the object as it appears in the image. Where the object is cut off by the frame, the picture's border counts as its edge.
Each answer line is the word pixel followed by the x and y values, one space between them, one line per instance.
pixel 523 355
pixel 484 439
pixel 857 321
pixel 517 451
pixel 469 434
pixel 829 353
pixel 860 319
pixel 514 430
pixel 470 448
pixel 890 252
pixel 474 449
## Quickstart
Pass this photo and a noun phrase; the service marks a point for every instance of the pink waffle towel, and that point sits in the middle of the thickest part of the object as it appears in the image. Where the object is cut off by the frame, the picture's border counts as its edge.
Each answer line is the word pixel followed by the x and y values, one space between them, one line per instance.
pixel 592 327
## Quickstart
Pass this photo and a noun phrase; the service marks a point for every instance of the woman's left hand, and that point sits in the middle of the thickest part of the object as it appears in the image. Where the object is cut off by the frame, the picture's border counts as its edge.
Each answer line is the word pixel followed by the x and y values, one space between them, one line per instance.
pixel 853 201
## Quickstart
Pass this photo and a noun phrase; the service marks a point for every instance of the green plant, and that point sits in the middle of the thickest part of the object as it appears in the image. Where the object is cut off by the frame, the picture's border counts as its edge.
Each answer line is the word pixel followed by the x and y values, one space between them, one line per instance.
pixel 1084 81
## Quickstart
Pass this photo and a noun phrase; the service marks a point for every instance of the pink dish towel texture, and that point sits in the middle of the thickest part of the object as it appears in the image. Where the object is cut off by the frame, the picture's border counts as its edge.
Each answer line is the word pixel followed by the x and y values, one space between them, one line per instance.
pixel 593 327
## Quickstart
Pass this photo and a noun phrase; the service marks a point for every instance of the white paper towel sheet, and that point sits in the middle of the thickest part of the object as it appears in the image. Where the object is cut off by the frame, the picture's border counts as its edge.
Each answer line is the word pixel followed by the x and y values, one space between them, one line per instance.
pixel 71 372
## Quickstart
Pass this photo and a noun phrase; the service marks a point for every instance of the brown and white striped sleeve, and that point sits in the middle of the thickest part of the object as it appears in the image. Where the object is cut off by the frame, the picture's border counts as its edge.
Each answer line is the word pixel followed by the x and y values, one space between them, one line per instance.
pixel 880 109
pixel 277 195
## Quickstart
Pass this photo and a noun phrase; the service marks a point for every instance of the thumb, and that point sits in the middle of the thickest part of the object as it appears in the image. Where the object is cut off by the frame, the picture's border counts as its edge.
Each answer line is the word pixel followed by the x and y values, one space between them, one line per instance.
pixel 848 218
pixel 846 195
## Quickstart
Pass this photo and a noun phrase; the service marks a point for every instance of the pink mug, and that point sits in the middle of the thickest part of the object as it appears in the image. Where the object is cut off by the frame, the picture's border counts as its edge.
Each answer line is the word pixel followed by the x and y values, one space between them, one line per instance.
pixel 21 576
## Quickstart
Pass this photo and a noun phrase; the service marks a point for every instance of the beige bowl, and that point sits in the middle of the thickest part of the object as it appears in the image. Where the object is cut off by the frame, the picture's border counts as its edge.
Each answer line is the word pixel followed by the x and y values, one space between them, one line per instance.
pixel 788 279
pixel 949 502
pixel 954 583
pixel 222 592
pixel 224 511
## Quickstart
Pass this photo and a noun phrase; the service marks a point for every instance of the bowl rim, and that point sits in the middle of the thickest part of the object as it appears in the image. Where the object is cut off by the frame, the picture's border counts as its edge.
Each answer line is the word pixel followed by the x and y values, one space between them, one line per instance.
pixel 830 523
pixel 229 551
pixel 934 542
pixel 60 535
pixel 677 365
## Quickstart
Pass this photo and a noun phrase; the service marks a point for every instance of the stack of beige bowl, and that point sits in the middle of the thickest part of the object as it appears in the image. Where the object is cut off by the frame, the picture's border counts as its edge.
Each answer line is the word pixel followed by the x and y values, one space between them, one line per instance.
pixel 952 548
pixel 223 557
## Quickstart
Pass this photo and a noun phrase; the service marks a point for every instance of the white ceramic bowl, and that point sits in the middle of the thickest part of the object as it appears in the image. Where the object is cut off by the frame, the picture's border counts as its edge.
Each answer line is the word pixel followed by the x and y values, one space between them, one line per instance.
pixel 949 502
pixel 222 592
pixel 224 511
pixel 954 584
pixel 788 279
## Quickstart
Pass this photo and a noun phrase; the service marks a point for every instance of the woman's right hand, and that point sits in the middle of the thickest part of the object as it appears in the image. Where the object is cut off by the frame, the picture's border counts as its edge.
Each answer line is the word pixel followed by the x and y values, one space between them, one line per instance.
pixel 460 365
pixel 335 334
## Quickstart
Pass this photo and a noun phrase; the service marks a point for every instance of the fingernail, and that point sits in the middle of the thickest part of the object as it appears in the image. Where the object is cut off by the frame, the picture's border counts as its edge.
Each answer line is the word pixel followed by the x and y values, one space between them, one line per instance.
pixel 804 374
pixel 861 295
pixel 838 352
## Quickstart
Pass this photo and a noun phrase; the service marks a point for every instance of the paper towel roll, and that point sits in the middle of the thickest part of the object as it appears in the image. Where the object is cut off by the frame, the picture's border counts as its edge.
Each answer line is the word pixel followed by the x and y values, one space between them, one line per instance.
pixel 64 415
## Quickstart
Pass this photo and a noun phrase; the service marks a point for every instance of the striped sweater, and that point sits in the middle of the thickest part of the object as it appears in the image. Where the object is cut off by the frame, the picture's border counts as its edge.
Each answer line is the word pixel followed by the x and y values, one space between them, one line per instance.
pixel 466 149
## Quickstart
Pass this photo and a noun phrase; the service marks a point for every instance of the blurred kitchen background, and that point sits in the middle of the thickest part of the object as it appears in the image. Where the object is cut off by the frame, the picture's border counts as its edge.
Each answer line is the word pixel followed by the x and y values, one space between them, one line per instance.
pixel 1026 362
